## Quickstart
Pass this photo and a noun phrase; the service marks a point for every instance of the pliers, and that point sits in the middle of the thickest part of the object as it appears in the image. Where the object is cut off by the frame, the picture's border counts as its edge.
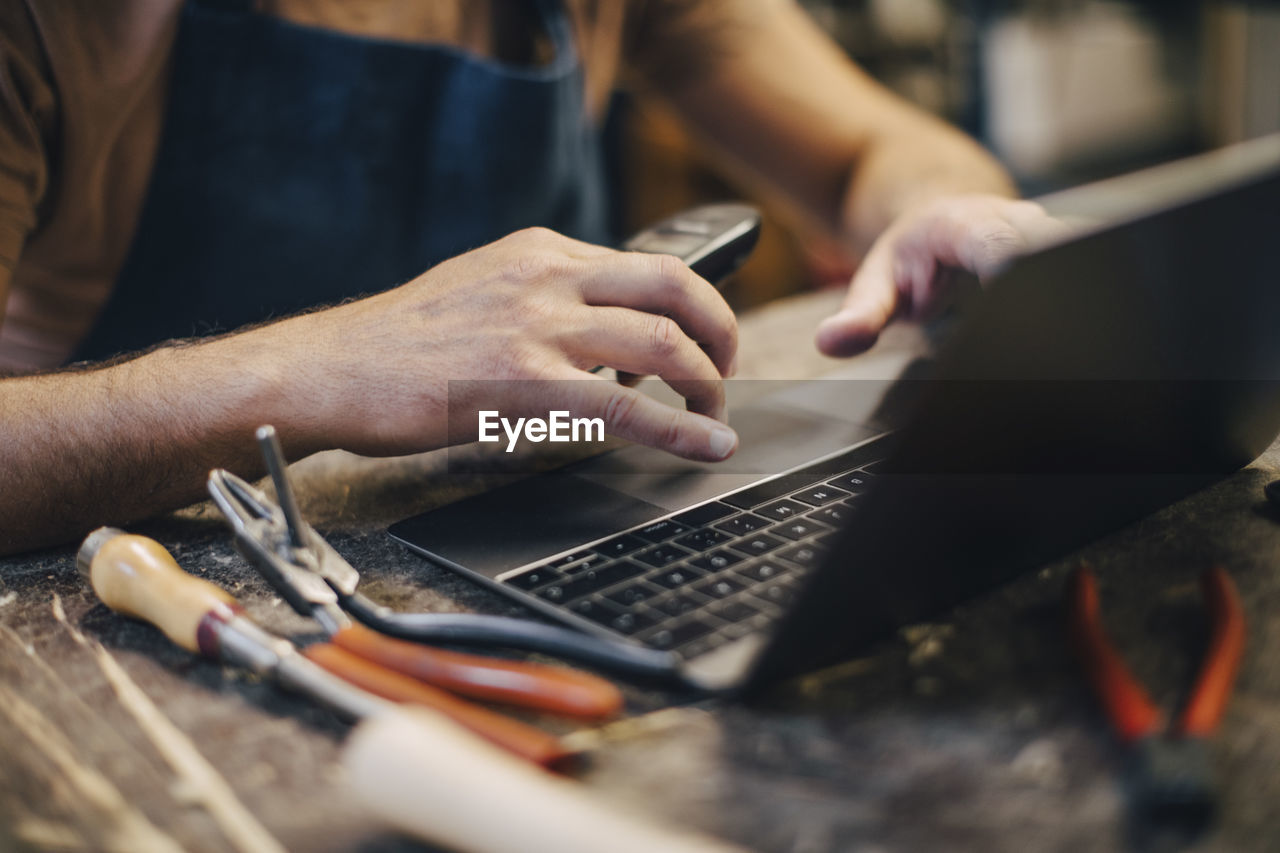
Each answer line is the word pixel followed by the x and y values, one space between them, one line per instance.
pixel 318 583
pixel 1172 778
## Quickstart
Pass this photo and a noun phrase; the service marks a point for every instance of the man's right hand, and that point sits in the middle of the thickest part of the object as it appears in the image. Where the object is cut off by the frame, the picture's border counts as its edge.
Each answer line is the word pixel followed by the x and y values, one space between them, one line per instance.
pixel 534 308
pixel 114 444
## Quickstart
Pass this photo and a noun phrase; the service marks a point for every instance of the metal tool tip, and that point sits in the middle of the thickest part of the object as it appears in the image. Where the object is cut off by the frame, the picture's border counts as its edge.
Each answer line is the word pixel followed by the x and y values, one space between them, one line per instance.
pixel 92 544
pixel 266 432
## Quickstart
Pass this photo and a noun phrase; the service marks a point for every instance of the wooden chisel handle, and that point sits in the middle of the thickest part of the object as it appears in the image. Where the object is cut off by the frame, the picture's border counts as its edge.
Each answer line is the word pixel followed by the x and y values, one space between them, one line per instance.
pixel 136 576
pixel 553 689
pixel 512 735
pixel 430 780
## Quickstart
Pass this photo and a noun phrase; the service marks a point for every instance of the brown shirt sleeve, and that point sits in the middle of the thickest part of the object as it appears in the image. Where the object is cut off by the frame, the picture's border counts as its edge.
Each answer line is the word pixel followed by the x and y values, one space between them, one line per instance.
pixel 28 117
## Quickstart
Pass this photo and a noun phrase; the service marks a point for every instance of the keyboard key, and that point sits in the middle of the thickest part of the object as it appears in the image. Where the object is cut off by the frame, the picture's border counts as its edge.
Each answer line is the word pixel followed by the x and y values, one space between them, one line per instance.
pixel 782 510
pixel 633 594
pixel 761 543
pixel 820 495
pixel 705 514
pixel 662 555
pixel 741 525
pixel 766 571
pixel 596 609
pixel 735 611
pixel 620 545
pixel 661 530
pixel 633 622
pixel 535 578
pixel 677 635
pixel 798 529
pixel 835 515
pixel 691 629
pixel 827 541
pixel 677 577
pixel 735 630
pixel 720 587
pixel 591 561
pixel 678 604
pixel 700 646
pixel 804 556
pixel 716 561
pixel 592 580
pixel 701 540
pixel 854 481
pixel 569 559
pixel 780 594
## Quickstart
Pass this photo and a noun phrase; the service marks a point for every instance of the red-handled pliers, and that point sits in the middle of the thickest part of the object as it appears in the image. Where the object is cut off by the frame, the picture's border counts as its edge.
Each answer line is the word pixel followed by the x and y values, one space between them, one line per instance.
pixel 1171 764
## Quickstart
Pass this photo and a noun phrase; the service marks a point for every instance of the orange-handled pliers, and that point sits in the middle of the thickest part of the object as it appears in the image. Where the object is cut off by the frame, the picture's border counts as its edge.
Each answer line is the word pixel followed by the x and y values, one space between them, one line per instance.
pixel 1171 770
pixel 299 564
pixel 265 539
pixel 316 581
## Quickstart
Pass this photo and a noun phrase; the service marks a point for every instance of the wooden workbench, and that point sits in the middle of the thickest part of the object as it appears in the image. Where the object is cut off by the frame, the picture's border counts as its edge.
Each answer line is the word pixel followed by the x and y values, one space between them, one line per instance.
pixel 971 734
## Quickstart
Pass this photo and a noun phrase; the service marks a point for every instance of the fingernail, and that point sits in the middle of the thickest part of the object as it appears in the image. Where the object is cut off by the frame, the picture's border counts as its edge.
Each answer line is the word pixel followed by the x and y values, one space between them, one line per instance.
pixel 733 366
pixel 723 442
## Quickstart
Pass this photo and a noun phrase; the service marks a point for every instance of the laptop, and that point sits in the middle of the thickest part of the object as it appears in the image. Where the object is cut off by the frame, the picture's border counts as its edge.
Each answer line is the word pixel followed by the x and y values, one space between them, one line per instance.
pixel 1092 382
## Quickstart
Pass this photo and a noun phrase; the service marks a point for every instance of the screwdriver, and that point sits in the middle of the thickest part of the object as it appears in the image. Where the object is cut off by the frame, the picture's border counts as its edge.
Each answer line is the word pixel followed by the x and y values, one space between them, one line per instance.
pixel 137 577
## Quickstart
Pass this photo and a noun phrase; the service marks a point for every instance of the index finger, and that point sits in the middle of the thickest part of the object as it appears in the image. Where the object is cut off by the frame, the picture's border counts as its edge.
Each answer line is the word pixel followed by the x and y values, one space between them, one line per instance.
pixel 663 284
pixel 633 415
pixel 869 305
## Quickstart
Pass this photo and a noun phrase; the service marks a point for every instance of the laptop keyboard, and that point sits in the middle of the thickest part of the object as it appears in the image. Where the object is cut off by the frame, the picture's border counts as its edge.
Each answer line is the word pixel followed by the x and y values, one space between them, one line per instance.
pixel 711 574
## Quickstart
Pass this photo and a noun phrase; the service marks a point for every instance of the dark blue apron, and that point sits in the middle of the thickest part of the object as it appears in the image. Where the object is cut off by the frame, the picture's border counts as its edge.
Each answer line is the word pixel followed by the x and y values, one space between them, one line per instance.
pixel 299 166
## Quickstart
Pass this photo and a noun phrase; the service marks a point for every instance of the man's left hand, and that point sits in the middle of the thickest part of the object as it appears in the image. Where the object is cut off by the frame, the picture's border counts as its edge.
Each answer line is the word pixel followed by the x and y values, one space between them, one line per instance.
pixel 906 271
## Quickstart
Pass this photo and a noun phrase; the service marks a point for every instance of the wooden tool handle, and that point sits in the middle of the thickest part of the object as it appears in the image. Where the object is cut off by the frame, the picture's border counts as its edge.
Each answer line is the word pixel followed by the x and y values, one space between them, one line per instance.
pixel 510 734
pixel 557 690
pixel 136 576
pixel 431 780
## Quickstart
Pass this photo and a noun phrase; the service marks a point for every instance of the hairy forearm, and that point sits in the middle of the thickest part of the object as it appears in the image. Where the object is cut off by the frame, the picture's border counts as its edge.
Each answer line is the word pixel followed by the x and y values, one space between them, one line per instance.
pixel 529 312
pixel 120 443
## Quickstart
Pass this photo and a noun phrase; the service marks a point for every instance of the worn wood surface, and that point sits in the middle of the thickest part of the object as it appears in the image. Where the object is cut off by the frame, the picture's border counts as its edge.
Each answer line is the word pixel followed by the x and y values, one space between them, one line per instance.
pixel 975 733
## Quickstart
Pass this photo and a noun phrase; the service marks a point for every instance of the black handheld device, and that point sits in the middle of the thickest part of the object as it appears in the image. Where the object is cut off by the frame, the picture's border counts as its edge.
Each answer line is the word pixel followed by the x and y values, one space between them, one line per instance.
pixel 713 239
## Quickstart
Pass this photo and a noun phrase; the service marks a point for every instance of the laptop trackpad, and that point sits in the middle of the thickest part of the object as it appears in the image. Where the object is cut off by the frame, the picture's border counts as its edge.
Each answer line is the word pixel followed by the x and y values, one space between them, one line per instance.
pixel 773 439
pixel 535 518
pixel 508 527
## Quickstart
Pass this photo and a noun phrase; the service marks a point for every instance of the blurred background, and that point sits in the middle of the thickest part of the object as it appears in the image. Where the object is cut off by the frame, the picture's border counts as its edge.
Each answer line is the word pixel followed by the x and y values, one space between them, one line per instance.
pixel 1063 91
